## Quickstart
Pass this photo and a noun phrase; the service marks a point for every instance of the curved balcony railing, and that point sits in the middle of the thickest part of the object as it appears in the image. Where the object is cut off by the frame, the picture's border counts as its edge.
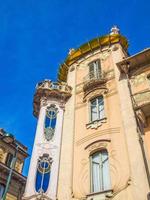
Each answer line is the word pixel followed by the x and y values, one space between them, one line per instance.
pixel 94 79
pixel 47 84
pixel 92 76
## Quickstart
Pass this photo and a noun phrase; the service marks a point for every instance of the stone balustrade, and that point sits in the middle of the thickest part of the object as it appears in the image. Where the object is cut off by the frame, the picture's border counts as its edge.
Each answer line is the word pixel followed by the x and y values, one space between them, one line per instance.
pixel 92 76
pixel 47 84
pixel 46 89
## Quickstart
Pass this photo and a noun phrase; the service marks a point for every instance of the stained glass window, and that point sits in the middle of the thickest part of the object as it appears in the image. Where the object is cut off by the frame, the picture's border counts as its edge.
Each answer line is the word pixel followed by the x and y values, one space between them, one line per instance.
pixel 43 174
pixel 50 122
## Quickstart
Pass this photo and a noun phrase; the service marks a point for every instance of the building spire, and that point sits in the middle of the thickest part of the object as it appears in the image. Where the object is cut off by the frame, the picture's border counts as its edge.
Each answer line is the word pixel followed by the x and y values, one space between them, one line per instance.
pixel 114 30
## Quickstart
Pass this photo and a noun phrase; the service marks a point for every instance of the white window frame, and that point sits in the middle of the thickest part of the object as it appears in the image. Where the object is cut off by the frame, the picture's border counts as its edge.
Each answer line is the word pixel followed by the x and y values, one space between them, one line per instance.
pixel 100 114
pixel 102 186
pixel 95 73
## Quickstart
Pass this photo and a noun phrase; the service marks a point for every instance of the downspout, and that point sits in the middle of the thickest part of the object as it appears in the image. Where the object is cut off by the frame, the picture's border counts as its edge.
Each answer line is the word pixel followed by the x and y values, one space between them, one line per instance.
pixel 138 129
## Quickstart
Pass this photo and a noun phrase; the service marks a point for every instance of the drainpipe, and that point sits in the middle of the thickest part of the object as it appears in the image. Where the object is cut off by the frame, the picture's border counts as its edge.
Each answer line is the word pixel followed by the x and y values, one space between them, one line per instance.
pixel 125 69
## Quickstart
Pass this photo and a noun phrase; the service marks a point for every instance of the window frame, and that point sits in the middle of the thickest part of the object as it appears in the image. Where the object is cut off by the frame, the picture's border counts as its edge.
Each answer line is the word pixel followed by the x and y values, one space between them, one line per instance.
pixel 95 69
pixel 97 109
pixel 4 186
pixel 8 162
pixel 102 187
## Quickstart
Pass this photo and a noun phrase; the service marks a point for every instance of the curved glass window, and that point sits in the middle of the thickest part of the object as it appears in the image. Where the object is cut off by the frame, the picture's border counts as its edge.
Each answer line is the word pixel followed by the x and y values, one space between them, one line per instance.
pixel 100 176
pixel 50 122
pixel 97 108
pixel 43 174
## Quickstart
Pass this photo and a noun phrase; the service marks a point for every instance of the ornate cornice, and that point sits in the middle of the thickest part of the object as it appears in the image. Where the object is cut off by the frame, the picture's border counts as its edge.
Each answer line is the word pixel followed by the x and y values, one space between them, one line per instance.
pixel 48 90
pixel 37 197
pixel 100 42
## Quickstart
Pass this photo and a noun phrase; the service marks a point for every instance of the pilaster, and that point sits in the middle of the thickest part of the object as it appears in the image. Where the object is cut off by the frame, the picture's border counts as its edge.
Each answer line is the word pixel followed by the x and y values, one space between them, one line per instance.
pixel 138 174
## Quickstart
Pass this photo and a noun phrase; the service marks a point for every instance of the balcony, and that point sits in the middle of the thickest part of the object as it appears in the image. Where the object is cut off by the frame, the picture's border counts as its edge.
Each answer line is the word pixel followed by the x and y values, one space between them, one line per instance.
pixel 94 80
pixel 142 101
pixel 50 90
pixel 54 86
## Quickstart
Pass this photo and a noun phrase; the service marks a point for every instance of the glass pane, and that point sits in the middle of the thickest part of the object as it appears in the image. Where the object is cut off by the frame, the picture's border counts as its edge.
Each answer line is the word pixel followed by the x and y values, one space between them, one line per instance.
pixel 53 123
pixel 50 120
pixel 91 67
pixel 95 158
pixel 97 65
pixel 96 177
pixel 100 171
pixel 9 159
pixel 105 171
pixel 42 176
pixel 96 172
pixel 93 110
pixel 47 122
pixel 2 188
pixel 100 108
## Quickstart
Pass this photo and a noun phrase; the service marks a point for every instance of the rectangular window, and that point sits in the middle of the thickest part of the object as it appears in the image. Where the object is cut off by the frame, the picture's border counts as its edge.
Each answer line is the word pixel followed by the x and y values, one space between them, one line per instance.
pixel 94 69
pixel 97 108
pixel 9 159
pixel 100 171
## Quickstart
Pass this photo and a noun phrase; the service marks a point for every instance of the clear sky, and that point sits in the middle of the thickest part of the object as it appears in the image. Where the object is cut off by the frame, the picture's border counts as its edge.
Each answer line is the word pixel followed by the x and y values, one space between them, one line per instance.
pixel 35 36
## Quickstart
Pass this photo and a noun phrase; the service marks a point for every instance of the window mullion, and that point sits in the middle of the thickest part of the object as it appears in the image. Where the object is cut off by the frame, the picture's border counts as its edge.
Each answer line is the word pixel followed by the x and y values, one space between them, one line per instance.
pixel 97 108
pixel 101 173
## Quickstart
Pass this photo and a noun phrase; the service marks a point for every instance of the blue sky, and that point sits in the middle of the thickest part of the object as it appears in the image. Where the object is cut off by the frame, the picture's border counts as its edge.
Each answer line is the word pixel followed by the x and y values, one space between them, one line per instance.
pixel 35 36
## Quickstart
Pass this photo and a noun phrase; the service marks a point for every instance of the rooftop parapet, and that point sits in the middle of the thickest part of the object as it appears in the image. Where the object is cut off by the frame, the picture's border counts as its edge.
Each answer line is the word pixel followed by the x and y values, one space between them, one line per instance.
pixel 48 89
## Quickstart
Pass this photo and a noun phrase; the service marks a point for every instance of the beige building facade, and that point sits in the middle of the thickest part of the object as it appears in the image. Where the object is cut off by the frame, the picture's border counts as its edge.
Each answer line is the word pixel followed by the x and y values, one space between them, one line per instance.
pixel 17 183
pixel 103 112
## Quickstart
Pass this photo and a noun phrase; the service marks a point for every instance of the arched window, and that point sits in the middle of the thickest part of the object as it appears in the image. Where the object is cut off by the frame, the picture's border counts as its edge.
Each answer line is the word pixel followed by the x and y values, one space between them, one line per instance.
pixel 95 69
pixel 97 108
pixel 100 176
pixel 9 159
pixel 2 188
pixel 50 122
pixel 43 173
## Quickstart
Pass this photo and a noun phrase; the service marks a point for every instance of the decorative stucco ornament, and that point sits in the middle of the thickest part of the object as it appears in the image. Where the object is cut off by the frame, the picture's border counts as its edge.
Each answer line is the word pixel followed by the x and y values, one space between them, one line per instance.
pixel 50 122
pixel 104 55
pixel 114 30
pixel 49 133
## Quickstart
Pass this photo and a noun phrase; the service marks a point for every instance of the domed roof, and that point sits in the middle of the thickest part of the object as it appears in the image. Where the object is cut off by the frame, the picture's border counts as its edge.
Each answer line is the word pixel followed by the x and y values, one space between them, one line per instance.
pixel 75 54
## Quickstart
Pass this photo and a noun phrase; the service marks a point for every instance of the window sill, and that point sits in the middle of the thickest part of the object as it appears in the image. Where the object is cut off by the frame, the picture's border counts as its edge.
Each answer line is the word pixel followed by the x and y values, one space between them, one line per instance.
pixel 95 124
pixel 103 194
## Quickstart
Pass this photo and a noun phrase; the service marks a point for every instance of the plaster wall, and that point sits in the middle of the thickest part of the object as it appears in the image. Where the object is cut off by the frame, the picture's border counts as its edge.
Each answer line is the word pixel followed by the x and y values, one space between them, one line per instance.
pixel 66 167
pixel 138 174
pixel 97 138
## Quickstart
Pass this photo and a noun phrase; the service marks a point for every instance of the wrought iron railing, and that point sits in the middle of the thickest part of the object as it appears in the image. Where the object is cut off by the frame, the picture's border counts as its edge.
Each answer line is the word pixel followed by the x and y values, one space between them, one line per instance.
pixel 47 84
pixel 93 76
